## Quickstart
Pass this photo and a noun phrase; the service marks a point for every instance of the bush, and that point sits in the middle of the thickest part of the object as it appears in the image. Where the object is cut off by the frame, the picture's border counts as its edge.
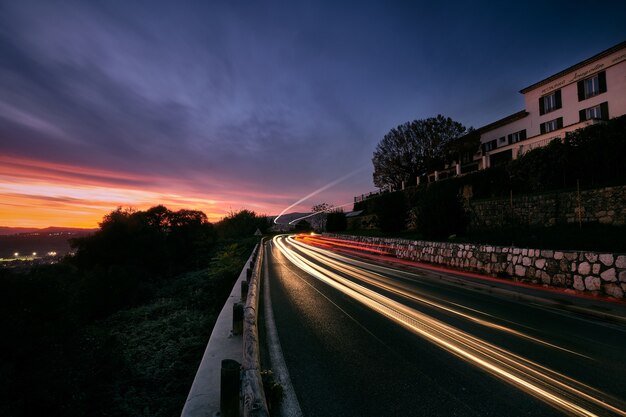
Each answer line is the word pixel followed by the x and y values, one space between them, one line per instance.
pixel 391 211
pixel 336 221
pixel 440 212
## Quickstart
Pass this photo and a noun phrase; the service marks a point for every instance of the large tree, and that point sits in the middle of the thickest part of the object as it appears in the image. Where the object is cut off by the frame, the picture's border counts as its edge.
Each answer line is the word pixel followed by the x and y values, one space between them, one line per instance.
pixel 413 149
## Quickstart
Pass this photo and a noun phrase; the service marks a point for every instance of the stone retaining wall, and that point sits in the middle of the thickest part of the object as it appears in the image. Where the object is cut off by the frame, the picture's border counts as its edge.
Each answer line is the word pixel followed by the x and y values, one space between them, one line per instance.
pixel 604 205
pixel 597 273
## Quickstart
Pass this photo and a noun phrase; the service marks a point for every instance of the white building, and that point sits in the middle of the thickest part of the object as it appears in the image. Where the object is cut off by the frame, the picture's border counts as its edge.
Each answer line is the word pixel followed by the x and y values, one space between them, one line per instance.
pixel 583 94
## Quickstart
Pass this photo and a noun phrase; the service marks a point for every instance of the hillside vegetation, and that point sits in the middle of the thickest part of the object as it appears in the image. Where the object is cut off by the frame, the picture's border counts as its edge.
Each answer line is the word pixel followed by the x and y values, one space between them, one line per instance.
pixel 120 328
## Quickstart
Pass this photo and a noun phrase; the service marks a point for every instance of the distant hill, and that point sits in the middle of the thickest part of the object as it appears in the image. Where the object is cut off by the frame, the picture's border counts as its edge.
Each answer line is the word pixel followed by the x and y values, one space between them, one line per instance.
pixel 26 240
pixel 286 218
pixel 6 231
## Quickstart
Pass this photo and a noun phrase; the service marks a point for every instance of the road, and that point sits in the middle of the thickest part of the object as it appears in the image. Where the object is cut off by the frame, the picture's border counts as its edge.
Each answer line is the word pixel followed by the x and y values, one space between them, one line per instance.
pixel 361 339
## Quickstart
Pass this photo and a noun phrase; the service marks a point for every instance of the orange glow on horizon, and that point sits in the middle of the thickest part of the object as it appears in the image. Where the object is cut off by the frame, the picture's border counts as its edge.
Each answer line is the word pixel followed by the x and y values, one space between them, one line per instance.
pixel 41 194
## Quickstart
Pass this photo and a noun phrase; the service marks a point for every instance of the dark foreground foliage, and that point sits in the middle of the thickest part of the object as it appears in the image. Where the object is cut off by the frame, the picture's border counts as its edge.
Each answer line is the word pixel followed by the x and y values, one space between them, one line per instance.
pixel 108 334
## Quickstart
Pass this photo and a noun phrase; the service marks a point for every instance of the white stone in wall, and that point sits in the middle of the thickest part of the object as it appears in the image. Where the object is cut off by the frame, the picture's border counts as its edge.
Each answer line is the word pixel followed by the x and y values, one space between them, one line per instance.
pixel 613 290
pixel 584 268
pixel 578 283
pixel 547 253
pixel 609 275
pixel 540 263
pixel 592 283
pixel 606 259
pixel 620 262
pixel 520 271
pixel 591 257
pixel 570 256
pixel 558 255
pixel 622 276
pixel 526 261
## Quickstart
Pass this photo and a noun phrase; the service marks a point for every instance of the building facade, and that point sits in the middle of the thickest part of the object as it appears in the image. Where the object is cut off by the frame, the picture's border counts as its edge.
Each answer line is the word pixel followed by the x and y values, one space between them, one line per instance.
pixel 583 94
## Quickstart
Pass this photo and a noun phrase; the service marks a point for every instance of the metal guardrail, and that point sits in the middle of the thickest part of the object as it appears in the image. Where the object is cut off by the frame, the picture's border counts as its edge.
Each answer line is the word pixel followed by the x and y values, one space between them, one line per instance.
pixel 254 403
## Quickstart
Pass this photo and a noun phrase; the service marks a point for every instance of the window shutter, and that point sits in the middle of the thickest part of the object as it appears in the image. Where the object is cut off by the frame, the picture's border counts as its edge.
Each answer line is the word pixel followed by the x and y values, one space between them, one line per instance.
pixel 522 135
pixel 581 90
pixel 542 107
pixel 559 123
pixel 582 115
pixel 510 138
pixel 602 81
pixel 557 99
pixel 542 128
pixel 604 110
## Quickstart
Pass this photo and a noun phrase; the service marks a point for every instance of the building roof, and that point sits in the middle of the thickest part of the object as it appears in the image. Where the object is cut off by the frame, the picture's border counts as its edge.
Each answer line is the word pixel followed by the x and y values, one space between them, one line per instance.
pixel 575 67
pixel 504 121
pixel 354 213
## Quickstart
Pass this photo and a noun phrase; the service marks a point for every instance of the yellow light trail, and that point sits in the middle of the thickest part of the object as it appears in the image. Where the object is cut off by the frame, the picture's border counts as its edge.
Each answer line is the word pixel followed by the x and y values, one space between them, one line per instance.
pixel 549 386
pixel 404 290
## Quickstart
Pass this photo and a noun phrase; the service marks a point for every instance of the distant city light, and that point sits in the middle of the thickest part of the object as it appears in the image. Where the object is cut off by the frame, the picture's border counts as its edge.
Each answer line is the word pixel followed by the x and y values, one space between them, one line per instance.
pixel 34 253
pixel 16 254
pixel 52 253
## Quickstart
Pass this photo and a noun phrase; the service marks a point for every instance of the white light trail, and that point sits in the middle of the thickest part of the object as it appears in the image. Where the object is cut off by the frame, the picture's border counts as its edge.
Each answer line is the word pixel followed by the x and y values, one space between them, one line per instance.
pixel 550 386
pixel 318 212
pixel 319 190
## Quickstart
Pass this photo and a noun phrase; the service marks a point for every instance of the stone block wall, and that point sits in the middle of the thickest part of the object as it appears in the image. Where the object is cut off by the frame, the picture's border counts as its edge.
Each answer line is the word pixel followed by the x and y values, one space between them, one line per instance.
pixel 604 205
pixel 597 273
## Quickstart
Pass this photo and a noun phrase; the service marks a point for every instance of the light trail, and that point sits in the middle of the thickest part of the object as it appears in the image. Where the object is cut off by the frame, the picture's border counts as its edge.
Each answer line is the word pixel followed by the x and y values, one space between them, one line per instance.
pixel 318 212
pixel 399 288
pixel 319 190
pixel 556 389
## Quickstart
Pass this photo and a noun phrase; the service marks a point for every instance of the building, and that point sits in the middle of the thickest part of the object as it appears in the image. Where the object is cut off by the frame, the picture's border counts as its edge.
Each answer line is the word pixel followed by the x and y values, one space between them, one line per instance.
pixel 583 94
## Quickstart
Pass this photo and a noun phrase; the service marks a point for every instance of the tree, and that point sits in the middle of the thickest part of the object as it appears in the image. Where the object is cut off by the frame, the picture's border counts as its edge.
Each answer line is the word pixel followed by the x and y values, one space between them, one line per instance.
pixel 303 226
pixel 242 223
pixel 319 220
pixel 413 149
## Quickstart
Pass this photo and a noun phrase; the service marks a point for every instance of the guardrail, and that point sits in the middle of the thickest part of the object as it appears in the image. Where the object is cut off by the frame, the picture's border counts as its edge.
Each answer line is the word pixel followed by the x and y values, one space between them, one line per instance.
pixel 254 403
pixel 221 381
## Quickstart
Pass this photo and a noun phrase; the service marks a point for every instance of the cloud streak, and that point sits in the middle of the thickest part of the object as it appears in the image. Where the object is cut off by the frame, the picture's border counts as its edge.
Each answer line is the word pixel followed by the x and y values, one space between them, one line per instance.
pixel 225 105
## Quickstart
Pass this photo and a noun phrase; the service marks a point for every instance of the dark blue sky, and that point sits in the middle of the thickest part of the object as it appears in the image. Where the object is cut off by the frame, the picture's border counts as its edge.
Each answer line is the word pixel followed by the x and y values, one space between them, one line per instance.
pixel 255 104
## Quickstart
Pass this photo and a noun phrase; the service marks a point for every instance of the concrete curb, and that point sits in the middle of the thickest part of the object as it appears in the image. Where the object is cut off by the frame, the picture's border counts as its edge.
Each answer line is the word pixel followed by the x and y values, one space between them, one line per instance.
pixel 204 396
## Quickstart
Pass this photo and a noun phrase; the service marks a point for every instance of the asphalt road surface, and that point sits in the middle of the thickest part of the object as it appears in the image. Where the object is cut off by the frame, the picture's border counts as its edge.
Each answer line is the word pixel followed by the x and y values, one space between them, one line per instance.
pixel 361 339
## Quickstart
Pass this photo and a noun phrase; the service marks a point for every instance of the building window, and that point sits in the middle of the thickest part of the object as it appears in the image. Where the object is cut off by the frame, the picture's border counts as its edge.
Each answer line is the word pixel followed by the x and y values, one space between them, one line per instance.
pixel 550 102
pixel 502 141
pixel 551 126
pixel 600 112
pixel 490 146
pixel 592 86
pixel 517 136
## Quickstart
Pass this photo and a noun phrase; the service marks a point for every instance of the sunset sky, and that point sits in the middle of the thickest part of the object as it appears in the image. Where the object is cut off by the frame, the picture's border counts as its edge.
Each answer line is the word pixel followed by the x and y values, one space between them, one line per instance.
pixel 224 105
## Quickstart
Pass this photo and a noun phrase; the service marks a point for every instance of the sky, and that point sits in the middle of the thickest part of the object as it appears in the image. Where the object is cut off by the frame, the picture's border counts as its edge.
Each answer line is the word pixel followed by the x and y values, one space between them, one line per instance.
pixel 224 105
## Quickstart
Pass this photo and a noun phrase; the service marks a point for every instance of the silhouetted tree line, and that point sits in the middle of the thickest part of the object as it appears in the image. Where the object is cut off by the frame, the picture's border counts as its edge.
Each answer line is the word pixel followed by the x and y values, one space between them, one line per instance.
pixel 58 359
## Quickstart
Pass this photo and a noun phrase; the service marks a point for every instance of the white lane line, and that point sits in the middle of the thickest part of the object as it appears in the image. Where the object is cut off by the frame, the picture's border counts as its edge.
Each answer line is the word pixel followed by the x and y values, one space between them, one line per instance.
pixel 289 405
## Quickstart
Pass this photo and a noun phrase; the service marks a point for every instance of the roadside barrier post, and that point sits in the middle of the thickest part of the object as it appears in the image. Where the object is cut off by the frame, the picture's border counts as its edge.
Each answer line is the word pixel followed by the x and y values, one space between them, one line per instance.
pixel 244 291
pixel 237 318
pixel 229 388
